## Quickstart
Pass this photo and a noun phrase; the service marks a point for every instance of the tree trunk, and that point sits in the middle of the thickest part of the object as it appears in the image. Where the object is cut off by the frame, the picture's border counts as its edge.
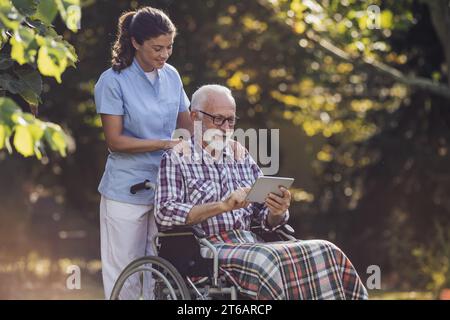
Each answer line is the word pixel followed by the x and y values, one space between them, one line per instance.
pixel 440 17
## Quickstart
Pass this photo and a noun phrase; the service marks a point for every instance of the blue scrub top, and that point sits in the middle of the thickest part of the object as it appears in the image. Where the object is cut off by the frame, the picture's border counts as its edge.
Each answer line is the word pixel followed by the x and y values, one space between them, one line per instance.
pixel 149 112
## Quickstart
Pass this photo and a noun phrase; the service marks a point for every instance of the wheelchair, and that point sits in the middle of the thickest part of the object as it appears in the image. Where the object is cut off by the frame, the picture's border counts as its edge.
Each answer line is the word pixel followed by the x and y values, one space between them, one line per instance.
pixel 186 266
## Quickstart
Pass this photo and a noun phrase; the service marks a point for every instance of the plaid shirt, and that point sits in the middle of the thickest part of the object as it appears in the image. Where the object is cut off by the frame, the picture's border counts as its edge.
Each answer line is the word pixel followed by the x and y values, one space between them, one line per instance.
pixel 189 176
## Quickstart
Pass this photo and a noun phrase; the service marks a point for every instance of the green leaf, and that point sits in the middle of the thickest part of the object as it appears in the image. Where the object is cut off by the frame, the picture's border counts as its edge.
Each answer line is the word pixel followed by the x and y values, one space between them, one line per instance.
pixel 26 7
pixel 54 56
pixel 70 53
pixel 31 78
pixel 70 12
pixel 3 38
pixel 60 142
pixel 8 82
pixel 40 27
pixel 9 17
pixel 52 62
pixel 37 152
pixel 23 141
pixel 2 136
pixel 5 62
pixel 29 132
pixel 26 25
pixel 7 107
pixel 24 46
pixel 36 130
pixel 28 85
pixel 73 18
pixel 5 134
pixel 46 11
pixel 18 119
pixel 31 97
pixel 31 84
pixel 56 139
pixel 46 31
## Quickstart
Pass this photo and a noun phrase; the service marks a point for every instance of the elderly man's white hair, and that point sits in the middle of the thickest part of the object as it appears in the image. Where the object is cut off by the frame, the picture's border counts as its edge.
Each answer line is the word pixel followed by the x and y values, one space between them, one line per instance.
pixel 202 94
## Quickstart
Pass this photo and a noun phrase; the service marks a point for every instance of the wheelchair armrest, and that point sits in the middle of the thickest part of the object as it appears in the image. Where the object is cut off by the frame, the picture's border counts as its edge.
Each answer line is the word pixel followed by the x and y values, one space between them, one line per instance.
pixel 287 229
pixel 196 230
pixel 284 232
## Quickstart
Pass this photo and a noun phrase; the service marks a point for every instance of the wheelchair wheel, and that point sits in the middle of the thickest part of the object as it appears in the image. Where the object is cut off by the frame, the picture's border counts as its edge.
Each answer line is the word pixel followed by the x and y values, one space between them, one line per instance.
pixel 150 278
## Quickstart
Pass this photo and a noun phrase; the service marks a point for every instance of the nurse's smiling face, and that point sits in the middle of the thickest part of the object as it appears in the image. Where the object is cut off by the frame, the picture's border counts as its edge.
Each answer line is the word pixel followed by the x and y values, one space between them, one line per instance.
pixel 154 52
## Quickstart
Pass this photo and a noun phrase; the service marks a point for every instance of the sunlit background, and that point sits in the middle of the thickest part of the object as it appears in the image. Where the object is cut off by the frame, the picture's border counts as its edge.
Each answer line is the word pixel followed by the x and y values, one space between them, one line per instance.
pixel 360 91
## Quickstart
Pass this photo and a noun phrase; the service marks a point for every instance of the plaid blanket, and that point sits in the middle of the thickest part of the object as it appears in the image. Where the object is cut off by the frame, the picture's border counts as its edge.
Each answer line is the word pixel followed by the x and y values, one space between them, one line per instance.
pixel 301 269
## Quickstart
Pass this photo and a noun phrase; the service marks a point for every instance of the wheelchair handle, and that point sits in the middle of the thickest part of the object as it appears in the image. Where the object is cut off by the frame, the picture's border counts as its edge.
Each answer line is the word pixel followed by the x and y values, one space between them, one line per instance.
pixel 147 185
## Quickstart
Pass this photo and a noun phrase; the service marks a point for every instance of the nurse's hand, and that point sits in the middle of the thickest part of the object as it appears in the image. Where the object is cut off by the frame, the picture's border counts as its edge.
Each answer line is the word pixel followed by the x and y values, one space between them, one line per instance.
pixel 169 144
pixel 182 147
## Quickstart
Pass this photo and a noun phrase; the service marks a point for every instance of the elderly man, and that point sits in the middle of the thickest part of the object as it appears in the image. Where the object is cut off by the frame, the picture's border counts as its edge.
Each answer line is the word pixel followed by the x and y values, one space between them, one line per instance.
pixel 205 181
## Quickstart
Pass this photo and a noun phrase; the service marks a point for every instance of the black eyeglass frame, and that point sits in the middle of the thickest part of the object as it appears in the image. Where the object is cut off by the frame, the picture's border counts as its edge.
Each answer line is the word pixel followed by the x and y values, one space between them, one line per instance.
pixel 220 117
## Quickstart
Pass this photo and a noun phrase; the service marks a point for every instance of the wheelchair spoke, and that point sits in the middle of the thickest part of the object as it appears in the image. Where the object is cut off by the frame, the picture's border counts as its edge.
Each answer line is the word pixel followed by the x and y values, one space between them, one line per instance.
pixel 150 277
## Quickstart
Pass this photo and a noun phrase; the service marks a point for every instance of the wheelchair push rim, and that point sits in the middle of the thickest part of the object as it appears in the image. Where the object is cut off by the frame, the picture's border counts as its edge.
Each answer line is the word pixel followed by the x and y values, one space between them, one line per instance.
pixel 168 282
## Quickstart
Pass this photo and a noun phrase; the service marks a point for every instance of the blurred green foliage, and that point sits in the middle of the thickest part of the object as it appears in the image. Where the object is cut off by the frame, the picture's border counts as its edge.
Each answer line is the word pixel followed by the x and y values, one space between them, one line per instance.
pixel 30 47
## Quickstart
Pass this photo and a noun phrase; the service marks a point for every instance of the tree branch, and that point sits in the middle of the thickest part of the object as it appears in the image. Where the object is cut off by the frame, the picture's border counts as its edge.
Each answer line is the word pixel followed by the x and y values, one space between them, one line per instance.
pixel 381 68
pixel 440 14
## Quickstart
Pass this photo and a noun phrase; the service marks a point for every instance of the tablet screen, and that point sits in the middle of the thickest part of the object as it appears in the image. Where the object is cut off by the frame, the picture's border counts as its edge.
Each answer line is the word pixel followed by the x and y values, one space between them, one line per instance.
pixel 265 185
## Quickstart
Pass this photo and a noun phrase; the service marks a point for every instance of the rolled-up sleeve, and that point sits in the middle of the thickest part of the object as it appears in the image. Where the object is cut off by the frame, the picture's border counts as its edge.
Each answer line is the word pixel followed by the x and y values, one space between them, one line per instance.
pixel 108 95
pixel 184 101
pixel 170 207
pixel 260 214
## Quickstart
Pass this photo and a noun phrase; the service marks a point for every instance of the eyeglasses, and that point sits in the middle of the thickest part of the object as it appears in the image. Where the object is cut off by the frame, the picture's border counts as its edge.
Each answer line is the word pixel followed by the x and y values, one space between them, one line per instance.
pixel 219 120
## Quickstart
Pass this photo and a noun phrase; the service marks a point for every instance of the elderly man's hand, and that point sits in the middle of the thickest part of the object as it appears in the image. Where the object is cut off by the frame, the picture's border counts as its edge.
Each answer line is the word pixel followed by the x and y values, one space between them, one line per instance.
pixel 236 200
pixel 278 205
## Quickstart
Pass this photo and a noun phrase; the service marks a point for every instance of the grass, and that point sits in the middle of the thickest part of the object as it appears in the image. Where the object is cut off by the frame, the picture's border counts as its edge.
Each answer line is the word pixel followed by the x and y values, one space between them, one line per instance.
pixel 400 295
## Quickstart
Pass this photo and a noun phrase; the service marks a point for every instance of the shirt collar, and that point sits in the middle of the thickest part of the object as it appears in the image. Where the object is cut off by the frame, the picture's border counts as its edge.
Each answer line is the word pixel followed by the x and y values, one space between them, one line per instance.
pixel 137 68
pixel 227 153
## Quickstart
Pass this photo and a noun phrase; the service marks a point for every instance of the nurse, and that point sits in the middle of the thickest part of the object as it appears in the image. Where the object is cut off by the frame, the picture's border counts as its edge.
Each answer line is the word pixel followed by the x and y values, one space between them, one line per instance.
pixel 141 102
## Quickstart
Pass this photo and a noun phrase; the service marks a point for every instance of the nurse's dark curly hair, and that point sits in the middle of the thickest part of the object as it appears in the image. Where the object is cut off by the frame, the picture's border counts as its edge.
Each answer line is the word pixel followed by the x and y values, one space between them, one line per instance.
pixel 142 25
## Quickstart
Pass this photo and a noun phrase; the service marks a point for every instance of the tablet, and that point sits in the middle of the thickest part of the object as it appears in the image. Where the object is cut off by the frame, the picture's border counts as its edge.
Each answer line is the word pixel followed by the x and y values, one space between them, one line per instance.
pixel 265 185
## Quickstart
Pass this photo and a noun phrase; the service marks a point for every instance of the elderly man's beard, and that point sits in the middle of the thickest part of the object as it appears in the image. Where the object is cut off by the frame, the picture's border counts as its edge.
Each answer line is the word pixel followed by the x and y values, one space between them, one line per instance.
pixel 217 139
